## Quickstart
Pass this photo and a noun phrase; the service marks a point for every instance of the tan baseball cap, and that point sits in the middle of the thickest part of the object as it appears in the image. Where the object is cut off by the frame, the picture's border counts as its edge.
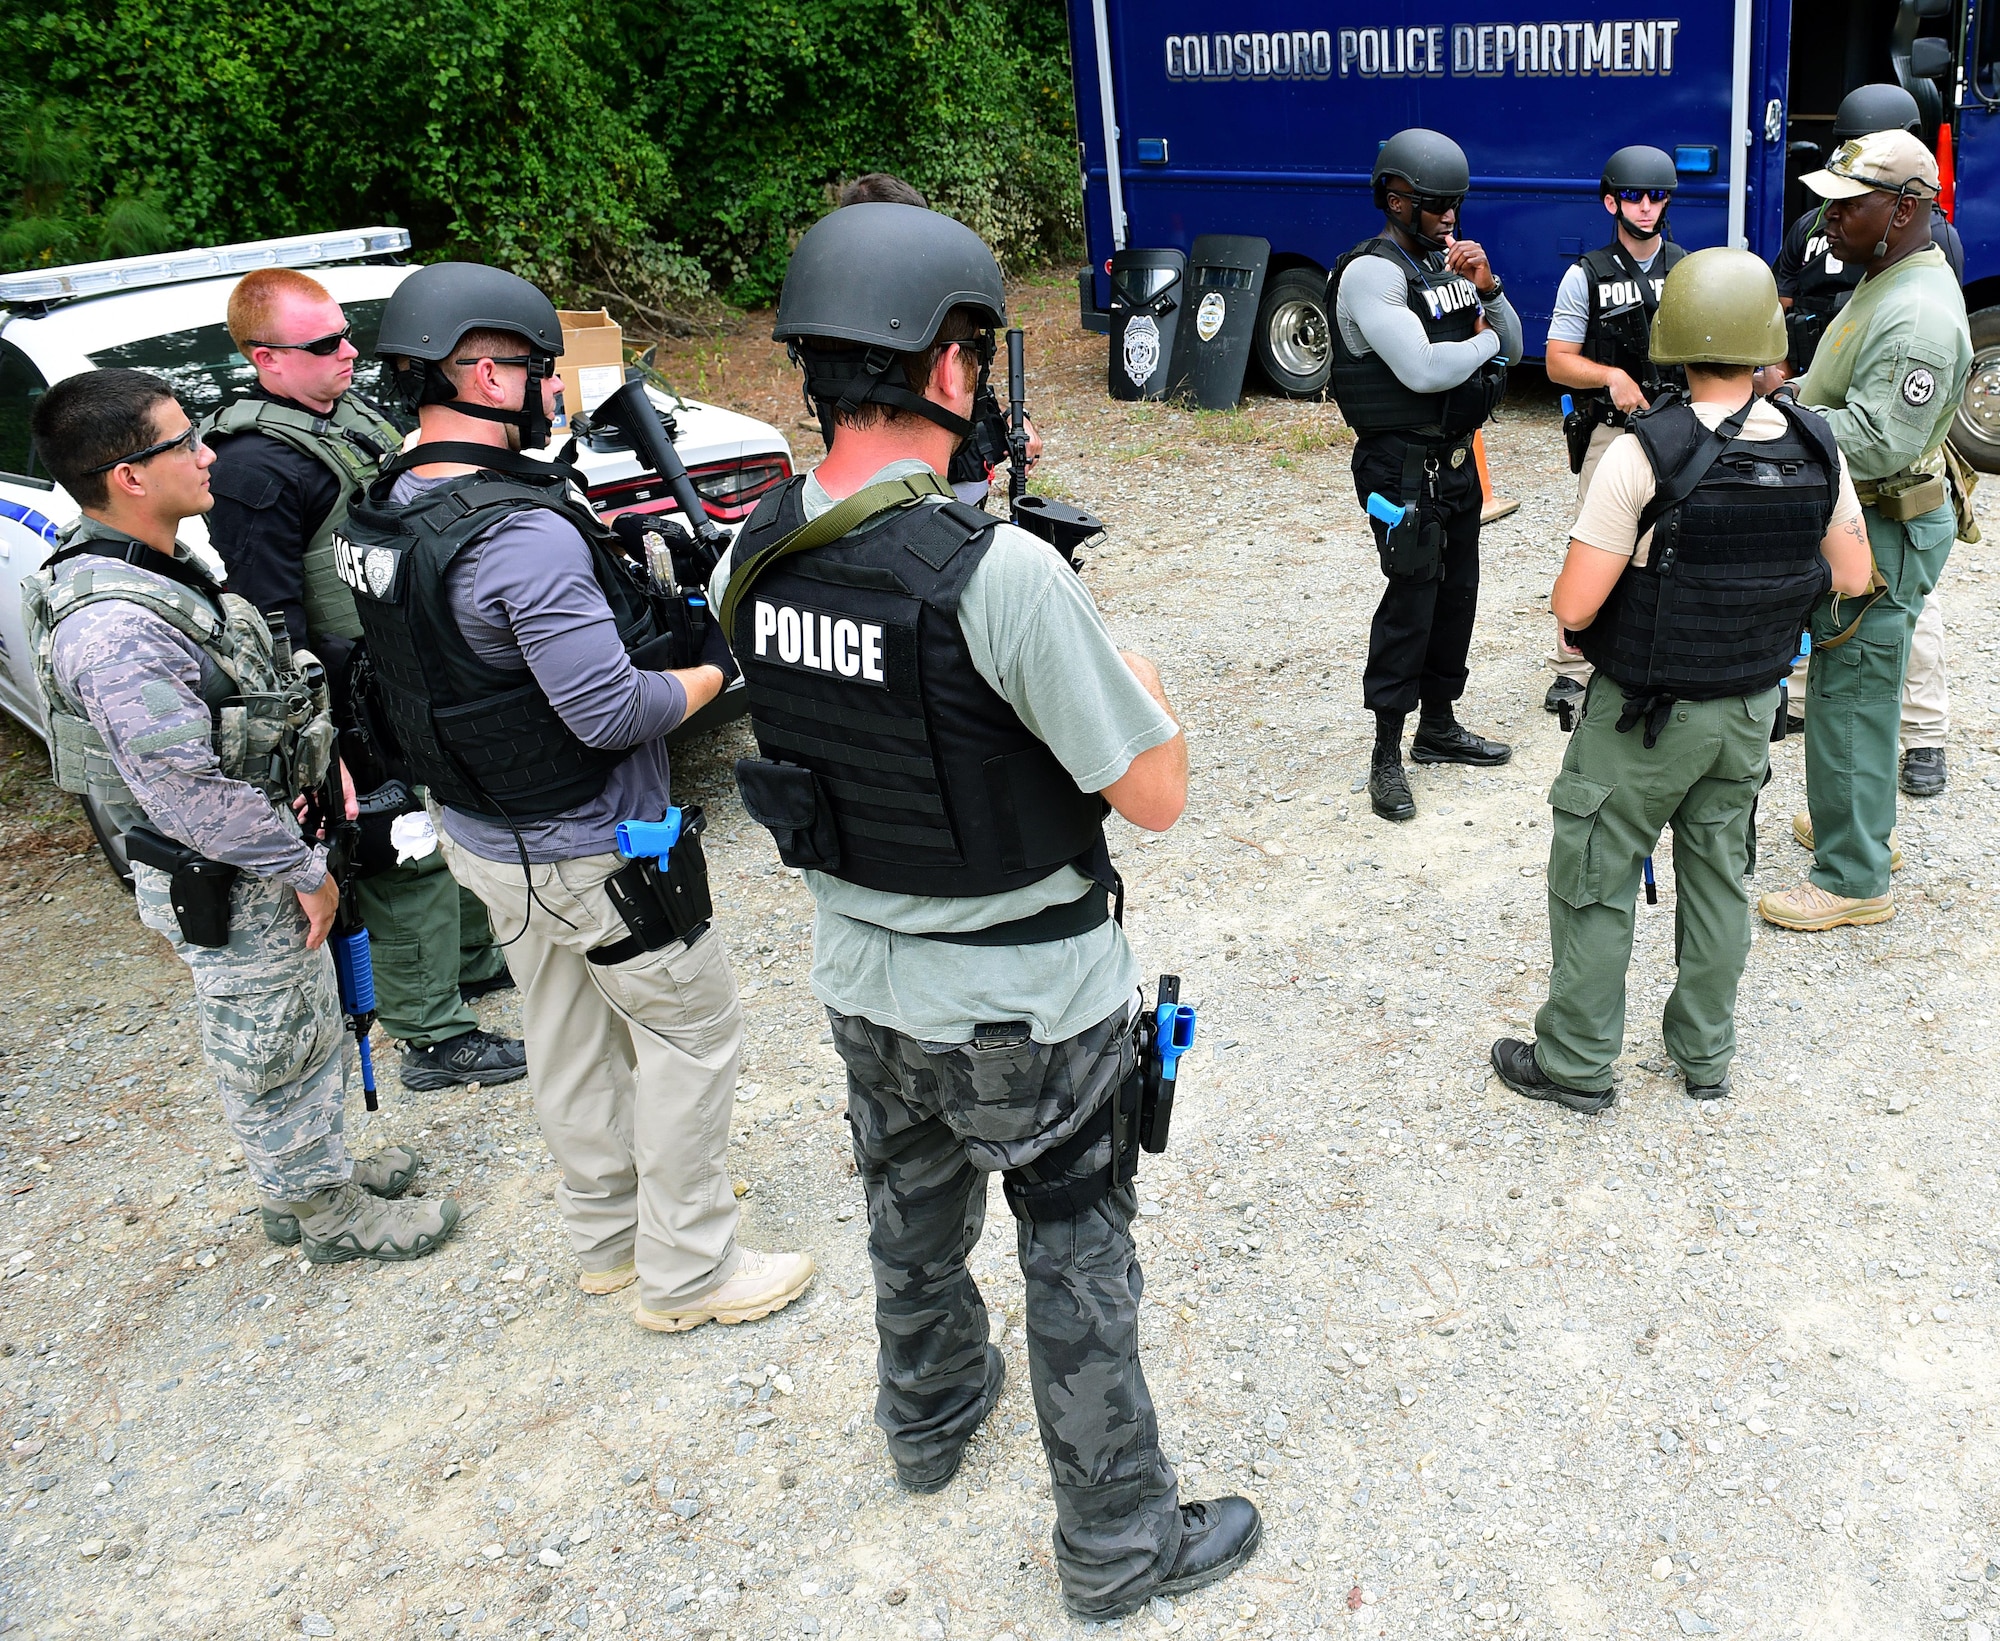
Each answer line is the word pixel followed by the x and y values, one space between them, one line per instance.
pixel 1886 160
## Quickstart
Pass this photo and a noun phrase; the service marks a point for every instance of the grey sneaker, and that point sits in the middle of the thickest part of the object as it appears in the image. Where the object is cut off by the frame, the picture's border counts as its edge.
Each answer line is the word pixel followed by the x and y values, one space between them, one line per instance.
pixel 389 1173
pixel 347 1223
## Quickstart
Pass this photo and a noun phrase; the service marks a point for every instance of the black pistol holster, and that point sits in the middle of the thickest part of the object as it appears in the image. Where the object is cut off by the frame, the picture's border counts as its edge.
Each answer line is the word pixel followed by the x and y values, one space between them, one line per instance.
pixel 659 908
pixel 197 887
pixel 1414 549
pixel 1578 427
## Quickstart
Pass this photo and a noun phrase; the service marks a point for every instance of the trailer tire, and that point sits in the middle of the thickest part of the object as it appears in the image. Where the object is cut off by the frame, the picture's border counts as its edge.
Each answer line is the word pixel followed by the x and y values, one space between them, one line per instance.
pixel 1976 427
pixel 1293 342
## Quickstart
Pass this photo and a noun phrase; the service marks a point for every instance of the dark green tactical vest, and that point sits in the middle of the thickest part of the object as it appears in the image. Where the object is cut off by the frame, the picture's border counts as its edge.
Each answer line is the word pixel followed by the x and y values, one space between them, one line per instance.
pixel 353 443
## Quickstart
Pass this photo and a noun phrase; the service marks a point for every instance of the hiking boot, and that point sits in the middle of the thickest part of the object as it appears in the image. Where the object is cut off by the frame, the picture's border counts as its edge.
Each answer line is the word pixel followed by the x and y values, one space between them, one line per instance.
pixel 1217 1537
pixel 1811 908
pixel 936 1477
pixel 472 990
pixel 602 1282
pixel 387 1174
pixel 347 1223
pixel 1389 790
pixel 1923 771
pixel 763 1283
pixel 1447 741
pixel 473 1056
pixel 1802 834
pixel 1708 1091
pixel 1515 1061
pixel 1563 690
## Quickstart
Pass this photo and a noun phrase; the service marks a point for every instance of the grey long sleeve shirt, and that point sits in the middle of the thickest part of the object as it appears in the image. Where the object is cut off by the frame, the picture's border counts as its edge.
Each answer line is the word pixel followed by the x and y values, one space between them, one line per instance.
pixel 1373 312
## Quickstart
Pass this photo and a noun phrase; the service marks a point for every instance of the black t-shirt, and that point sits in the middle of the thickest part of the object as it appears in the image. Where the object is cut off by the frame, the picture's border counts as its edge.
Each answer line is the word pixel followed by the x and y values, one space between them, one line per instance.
pixel 270 501
pixel 1792 259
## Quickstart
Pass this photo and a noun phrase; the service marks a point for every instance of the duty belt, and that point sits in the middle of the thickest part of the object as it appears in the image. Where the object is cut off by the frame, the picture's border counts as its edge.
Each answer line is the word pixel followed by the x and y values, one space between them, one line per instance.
pixel 1918 489
pixel 1435 449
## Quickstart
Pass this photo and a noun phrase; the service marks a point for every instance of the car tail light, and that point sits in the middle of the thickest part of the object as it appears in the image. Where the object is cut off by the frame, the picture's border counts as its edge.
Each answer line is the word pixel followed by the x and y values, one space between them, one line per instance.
pixel 728 490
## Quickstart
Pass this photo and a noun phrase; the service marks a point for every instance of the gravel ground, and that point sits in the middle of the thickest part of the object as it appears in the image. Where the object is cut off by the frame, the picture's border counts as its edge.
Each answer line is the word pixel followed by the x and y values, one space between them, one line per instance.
pixel 1489 1368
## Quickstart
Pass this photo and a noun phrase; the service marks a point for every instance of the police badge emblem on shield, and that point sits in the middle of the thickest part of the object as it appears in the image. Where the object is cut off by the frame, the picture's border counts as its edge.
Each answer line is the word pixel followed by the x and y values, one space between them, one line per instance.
pixel 1209 316
pixel 1142 349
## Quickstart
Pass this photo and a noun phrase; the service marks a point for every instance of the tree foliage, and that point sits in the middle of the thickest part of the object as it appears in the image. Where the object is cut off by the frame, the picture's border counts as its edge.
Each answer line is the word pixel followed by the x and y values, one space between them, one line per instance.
pixel 650 149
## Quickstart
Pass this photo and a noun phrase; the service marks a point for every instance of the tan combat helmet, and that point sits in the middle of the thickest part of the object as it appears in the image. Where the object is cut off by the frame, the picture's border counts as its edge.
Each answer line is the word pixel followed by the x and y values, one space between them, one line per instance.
pixel 1719 307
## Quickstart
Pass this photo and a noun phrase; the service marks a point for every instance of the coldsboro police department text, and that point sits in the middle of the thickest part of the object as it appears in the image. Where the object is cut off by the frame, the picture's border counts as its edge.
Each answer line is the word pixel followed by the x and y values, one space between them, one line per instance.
pixel 1622 46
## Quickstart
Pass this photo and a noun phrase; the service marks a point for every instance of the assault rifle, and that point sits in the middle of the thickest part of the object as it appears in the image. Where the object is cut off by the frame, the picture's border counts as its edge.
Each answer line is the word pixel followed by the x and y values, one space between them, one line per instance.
pixel 1063 527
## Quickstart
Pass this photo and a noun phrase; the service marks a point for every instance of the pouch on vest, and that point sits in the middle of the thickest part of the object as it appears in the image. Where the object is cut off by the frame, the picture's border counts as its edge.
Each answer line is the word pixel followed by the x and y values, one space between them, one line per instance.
pixel 787 801
pixel 198 887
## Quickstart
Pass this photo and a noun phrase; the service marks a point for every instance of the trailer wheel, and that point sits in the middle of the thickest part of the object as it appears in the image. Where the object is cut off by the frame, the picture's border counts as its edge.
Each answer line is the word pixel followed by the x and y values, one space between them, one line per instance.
pixel 1294 338
pixel 1976 427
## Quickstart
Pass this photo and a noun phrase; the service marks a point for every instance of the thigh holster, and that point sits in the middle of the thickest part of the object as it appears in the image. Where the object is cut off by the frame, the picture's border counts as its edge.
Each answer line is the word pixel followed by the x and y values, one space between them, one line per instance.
pixel 1051 1188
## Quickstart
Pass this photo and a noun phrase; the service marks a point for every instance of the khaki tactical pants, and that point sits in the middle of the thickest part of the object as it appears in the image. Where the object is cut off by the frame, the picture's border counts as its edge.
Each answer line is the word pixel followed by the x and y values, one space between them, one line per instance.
pixel 634 1067
pixel 1926 699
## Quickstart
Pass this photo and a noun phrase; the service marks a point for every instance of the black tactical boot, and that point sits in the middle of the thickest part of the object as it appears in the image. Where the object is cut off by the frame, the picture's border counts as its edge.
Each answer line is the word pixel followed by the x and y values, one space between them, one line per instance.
pixel 1446 741
pixel 471 1057
pixel 1562 689
pixel 1520 1071
pixel 1923 771
pixel 936 1477
pixel 1389 788
pixel 1217 1537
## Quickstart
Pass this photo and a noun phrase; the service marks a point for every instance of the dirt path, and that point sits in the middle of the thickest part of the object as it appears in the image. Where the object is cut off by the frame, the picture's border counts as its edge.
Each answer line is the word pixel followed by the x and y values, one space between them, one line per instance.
pixel 1490 1368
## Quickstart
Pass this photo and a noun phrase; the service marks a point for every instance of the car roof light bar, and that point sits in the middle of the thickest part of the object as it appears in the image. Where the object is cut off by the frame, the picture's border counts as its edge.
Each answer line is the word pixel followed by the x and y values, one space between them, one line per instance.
pixel 136 272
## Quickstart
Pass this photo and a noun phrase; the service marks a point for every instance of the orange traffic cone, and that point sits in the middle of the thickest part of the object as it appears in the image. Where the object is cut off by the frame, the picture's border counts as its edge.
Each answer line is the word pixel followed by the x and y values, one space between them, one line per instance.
pixel 1494 508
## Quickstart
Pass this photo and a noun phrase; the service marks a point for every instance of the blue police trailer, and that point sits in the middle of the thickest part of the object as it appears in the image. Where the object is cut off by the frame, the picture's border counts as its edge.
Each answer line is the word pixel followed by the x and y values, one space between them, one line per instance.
pixel 1263 122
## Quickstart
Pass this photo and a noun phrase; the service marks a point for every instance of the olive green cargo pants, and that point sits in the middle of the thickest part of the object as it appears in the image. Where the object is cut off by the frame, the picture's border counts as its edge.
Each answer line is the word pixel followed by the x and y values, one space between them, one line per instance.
pixel 426 935
pixel 1610 801
pixel 1854 704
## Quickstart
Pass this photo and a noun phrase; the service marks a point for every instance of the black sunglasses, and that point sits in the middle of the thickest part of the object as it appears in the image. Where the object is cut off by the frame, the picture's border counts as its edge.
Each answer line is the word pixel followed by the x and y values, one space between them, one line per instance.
pixel 1632 196
pixel 499 359
pixel 322 347
pixel 1435 205
pixel 190 440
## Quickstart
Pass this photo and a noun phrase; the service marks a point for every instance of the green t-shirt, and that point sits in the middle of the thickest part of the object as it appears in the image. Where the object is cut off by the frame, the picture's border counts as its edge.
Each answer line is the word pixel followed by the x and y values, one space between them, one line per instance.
pixel 1037 638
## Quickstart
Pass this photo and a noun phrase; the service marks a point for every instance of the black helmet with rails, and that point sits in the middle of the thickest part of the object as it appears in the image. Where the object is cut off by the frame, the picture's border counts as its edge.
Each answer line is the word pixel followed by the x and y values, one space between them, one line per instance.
pixel 871 283
pixel 1430 162
pixel 437 307
pixel 1871 108
pixel 1639 166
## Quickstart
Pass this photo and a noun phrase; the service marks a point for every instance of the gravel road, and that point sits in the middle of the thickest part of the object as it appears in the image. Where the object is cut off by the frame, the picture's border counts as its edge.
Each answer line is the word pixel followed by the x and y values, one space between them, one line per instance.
pixel 1489 1368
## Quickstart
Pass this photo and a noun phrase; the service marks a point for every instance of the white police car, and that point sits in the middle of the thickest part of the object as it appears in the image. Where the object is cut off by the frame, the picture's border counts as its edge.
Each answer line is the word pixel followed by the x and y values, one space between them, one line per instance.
pixel 165 314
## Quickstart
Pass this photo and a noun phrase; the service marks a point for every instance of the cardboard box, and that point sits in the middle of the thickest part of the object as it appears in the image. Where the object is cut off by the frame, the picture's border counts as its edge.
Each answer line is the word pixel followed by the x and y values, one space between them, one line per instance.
pixel 592 365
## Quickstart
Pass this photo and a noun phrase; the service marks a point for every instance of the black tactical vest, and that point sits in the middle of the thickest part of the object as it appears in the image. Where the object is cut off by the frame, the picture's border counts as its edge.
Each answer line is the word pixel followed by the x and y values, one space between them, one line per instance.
pixel 919 777
pixel 483 739
pixel 1371 396
pixel 1623 299
pixel 1734 569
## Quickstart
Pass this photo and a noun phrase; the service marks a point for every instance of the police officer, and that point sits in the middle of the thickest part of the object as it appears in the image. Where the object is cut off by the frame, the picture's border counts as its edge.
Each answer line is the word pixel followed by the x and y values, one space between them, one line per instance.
pixel 1420 346
pixel 518 670
pixel 943 718
pixel 289 455
pixel 1887 376
pixel 169 703
pixel 1815 284
pixel 973 463
pixel 1600 334
pixel 1747 501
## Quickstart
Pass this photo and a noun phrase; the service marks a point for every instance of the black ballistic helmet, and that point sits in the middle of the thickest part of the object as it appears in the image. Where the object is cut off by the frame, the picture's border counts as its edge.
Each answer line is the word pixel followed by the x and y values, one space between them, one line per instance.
pixel 1429 161
pixel 437 306
pixel 870 283
pixel 1639 167
pixel 1869 108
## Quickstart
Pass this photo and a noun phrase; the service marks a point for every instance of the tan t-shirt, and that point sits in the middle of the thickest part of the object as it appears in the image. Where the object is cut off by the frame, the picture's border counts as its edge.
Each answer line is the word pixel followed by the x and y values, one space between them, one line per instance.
pixel 1623 485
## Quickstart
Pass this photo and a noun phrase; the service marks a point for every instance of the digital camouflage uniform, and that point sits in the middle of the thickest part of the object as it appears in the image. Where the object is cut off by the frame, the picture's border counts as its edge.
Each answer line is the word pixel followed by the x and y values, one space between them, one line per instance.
pixel 269 1009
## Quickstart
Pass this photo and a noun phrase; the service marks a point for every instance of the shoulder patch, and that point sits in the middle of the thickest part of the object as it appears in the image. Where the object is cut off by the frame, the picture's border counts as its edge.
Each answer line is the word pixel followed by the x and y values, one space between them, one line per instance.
pixel 161 700
pixel 1919 386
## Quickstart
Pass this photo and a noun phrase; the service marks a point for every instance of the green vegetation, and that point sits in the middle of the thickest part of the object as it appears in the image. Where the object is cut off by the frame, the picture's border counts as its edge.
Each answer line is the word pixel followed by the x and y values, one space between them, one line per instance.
pixel 645 153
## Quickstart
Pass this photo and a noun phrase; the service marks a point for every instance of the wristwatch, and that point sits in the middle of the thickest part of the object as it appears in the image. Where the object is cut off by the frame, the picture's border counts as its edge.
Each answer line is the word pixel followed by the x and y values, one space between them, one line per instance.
pixel 1499 290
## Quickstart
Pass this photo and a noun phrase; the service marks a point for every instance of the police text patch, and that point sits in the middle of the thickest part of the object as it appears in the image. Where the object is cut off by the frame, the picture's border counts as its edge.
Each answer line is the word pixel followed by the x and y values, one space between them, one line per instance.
pixel 373 572
pixel 836 646
pixel 1919 387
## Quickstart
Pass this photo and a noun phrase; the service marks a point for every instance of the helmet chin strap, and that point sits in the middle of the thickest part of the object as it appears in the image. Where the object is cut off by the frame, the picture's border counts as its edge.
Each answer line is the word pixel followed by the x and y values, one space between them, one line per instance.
pixel 834 383
pixel 1626 224
pixel 529 418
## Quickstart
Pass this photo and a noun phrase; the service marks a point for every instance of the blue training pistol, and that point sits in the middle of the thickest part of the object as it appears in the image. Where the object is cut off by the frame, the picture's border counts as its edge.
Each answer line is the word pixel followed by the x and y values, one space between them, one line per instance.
pixel 1382 508
pixel 641 840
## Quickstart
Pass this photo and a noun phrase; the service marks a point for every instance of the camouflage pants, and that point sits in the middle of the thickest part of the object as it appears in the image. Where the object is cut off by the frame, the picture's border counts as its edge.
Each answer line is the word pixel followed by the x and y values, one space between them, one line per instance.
pixel 271 1031
pixel 931 1122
